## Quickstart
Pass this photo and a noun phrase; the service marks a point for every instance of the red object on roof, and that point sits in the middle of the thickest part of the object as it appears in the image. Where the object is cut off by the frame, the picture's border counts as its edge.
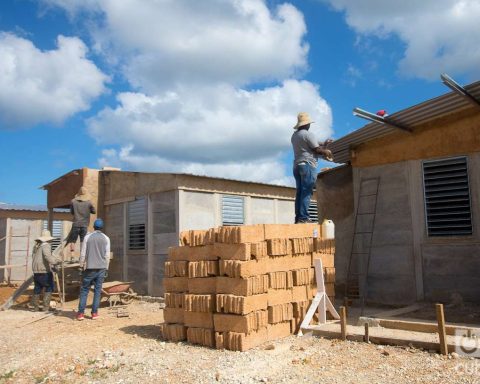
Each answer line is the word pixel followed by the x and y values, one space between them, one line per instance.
pixel 381 112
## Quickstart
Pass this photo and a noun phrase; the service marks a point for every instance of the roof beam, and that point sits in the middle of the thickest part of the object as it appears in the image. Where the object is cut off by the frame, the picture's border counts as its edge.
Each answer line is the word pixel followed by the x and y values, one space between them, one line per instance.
pixel 379 119
pixel 457 88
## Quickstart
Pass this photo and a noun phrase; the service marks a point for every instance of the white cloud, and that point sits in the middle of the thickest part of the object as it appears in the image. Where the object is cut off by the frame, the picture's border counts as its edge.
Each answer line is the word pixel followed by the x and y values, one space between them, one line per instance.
pixel 352 75
pixel 195 69
pixel 178 42
pixel 440 35
pixel 270 171
pixel 214 125
pixel 45 86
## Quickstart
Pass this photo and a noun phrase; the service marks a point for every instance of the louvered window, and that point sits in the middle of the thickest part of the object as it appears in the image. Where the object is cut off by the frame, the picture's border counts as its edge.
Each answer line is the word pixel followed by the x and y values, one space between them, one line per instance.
pixel 233 210
pixel 57 232
pixel 447 197
pixel 136 224
pixel 313 211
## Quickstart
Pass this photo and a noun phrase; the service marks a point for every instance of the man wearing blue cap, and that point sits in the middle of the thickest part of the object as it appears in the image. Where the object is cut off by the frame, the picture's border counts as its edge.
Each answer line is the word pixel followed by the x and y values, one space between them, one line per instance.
pixel 94 260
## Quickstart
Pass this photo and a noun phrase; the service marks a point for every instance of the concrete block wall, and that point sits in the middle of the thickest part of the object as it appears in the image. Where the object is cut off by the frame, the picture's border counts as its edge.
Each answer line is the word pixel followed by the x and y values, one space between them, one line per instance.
pixel 238 287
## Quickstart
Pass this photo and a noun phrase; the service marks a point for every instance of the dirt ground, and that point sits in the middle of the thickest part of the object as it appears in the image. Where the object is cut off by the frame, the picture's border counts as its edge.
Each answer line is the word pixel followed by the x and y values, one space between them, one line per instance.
pixel 58 349
pixel 7 291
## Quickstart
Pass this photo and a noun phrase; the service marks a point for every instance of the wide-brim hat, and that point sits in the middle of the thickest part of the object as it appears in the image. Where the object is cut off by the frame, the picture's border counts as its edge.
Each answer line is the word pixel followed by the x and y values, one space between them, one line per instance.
pixel 82 194
pixel 303 118
pixel 46 236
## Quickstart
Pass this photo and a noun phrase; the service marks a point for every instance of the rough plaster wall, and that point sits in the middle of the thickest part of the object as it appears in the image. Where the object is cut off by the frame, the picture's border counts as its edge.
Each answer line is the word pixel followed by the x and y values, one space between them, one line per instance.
pixel 20 244
pixel 391 274
pixel 262 211
pixel 198 210
pixel 91 183
pixel 164 211
pixel 335 202
pixel 285 211
pixel 137 265
pixel 114 228
pixel 451 269
pixel 451 265
pixel 3 246
pixel 455 134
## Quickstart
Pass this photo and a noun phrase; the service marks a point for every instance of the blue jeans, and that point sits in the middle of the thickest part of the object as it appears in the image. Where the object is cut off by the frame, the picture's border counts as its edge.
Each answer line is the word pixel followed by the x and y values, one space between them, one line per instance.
pixel 305 178
pixel 42 280
pixel 91 277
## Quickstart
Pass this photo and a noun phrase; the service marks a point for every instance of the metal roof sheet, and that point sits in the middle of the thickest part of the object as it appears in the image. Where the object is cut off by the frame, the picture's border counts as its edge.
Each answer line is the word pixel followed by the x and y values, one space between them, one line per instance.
pixel 34 208
pixel 410 117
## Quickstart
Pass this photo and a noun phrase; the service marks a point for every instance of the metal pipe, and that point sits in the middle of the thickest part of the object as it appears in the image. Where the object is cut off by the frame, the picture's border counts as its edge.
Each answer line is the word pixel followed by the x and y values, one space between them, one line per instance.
pixel 379 119
pixel 455 87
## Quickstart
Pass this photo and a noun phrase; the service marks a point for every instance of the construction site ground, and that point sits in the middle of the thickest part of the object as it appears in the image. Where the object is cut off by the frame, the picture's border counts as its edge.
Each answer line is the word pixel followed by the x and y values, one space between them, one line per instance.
pixel 59 349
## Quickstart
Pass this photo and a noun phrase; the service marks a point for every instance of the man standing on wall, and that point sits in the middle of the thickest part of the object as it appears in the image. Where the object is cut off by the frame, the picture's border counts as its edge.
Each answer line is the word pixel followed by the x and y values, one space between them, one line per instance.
pixel 306 150
pixel 81 208
pixel 94 260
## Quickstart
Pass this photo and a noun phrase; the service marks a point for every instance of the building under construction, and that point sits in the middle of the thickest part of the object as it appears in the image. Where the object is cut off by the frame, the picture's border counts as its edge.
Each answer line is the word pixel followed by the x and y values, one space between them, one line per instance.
pixel 406 202
pixel 144 213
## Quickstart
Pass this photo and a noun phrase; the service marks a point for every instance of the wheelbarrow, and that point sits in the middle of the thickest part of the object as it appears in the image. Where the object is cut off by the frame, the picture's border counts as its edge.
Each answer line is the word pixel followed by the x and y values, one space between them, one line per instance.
pixel 118 292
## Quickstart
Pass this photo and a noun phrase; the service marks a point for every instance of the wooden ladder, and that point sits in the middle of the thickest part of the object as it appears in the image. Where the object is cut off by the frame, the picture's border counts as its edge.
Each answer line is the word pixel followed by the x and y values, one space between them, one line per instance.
pixel 364 225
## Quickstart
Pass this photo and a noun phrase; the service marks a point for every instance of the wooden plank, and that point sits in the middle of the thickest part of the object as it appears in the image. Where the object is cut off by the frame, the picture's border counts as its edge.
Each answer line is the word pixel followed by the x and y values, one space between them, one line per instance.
pixel 343 323
pixel 118 201
pixel 320 302
pixel 39 319
pixel 12 266
pixel 399 311
pixel 424 327
pixel 441 329
pixel 382 340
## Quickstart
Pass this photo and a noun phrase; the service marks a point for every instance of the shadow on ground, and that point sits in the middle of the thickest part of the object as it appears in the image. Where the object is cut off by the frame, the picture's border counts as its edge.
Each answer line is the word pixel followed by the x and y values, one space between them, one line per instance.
pixel 145 331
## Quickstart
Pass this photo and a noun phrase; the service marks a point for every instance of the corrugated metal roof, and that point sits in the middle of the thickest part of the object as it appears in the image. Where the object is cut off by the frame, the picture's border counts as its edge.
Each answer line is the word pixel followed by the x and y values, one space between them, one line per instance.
pixel 34 208
pixel 410 117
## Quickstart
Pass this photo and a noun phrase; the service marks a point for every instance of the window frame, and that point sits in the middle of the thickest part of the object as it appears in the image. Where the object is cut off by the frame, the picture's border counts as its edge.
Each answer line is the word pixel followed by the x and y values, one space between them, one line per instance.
pixel 440 237
pixel 222 201
pixel 144 223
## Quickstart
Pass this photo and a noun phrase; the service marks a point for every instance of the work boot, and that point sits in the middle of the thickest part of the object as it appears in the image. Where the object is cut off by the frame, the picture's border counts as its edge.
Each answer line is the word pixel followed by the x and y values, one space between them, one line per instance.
pixel 34 303
pixel 46 301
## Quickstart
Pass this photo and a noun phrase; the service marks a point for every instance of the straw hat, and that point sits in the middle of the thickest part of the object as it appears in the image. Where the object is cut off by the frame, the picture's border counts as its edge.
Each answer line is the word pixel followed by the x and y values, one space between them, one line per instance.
pixel 46 236
pixel 303 119
pixel 82 194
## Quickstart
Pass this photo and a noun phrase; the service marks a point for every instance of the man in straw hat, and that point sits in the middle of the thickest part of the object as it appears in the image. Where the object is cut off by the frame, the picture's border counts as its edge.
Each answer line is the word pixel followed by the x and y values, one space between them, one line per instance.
pixel 81 208
pixel 42 262
pixel 306 150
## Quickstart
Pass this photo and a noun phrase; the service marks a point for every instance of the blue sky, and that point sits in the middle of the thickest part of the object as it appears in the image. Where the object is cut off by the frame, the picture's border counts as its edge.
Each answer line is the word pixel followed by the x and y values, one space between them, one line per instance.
pixel 209 87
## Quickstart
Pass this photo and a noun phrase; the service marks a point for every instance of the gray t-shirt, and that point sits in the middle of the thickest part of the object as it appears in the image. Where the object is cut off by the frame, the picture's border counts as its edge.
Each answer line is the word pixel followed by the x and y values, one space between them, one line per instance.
pixel 95 252
pixel 304 143
pixel 81 211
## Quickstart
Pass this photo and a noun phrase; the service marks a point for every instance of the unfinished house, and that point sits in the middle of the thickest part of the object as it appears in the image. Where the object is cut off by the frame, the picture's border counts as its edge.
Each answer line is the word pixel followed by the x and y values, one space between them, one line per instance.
pixel 144 213
pixel 19 226
pixel 405 203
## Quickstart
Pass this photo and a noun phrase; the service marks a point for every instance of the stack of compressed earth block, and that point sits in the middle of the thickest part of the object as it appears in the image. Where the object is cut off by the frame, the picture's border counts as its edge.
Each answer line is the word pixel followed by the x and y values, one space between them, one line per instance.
pixel 237 287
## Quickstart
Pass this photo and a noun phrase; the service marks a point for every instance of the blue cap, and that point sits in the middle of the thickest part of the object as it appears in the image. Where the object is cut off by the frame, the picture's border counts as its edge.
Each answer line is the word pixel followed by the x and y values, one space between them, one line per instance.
pixel 98 224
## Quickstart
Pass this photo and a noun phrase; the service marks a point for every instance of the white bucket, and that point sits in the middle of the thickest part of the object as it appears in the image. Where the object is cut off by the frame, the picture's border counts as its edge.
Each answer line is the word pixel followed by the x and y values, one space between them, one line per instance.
pixel 328 229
